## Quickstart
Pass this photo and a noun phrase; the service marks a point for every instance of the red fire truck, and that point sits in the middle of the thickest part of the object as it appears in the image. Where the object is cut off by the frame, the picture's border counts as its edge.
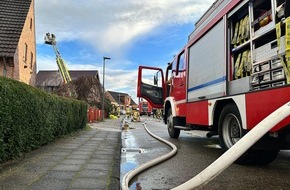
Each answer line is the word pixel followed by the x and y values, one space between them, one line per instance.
pixel 232 73
pixel 145 108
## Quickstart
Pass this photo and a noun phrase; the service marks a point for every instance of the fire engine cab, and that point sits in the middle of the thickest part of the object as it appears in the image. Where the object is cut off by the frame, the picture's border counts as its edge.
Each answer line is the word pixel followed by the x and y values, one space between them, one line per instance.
pixel 232 73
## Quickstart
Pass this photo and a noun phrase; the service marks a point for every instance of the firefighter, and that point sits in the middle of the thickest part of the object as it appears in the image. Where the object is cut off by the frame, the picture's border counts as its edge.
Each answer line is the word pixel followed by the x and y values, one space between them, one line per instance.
pixel 154 112
pixel 136 115
pixel 118 111
pixel 128 112
pixel 158 113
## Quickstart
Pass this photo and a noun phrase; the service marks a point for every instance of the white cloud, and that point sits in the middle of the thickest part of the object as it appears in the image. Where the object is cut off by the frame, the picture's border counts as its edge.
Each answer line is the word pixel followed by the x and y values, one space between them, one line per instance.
pixel 115 79
pixel 111 26
pixel 47 63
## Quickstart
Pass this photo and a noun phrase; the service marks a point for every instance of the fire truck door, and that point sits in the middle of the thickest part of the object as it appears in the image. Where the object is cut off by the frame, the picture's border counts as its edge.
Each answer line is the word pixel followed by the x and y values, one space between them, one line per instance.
pixel 179 78
pixel 151 85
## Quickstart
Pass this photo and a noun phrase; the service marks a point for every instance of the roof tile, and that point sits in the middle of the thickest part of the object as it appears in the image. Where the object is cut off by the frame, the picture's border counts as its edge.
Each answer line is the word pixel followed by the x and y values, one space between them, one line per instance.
pixel 12 18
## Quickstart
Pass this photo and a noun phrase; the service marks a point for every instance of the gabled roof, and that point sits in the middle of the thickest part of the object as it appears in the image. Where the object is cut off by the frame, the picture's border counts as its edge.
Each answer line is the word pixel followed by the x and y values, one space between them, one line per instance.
pixel 53 78
pixel 12 18
pixel 133 102
pixel 116 95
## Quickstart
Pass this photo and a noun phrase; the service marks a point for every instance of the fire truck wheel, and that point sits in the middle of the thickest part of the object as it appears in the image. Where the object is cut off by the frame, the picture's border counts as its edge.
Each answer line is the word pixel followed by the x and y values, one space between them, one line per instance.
pixel 230 131
pixel 230 127
pixel 173 132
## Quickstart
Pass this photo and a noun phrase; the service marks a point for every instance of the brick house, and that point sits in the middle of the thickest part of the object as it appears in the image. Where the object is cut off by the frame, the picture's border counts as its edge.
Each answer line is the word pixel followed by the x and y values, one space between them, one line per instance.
pixel 51 81
pixel 120 99
pixel 17 40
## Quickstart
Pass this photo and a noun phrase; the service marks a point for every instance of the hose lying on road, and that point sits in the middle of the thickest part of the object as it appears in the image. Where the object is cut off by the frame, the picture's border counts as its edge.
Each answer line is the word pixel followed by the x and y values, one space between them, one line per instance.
pixel 237 149
pixel 126 179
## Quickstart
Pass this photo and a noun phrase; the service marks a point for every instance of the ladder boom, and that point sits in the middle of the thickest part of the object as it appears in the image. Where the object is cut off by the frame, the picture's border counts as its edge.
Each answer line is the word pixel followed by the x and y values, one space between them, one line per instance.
pixel 50 40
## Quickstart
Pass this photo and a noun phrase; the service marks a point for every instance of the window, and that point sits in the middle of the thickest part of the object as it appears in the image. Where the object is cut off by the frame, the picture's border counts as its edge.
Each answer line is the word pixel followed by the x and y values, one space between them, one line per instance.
pixel 31 60
pixel 30 25
pixel 174 65
pixel 181 62
pixel 25 53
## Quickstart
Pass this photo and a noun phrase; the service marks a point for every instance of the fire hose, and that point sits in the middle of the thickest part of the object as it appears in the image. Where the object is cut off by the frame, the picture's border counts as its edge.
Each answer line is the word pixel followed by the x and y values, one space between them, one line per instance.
pixel 237 149
pixel 128 176
pixel 231 154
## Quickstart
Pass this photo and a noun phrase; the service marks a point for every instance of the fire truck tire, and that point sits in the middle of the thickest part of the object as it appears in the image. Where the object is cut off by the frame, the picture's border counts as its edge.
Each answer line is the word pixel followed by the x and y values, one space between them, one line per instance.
pixel 173 132
pixel 230 128
pixel 230 131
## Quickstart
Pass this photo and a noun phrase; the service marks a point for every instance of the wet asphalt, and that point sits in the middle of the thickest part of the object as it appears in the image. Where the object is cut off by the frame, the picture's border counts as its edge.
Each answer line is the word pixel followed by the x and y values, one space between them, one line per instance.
pixel 88 159
pixel 195 153
pixel 98 158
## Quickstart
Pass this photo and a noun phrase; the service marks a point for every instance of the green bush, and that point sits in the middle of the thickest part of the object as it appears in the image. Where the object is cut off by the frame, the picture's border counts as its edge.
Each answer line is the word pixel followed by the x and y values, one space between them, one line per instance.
pixel 30 117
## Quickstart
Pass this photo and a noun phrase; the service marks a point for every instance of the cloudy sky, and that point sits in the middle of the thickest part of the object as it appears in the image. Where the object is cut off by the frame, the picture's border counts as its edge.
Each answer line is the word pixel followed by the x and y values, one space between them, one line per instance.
pixel 130 32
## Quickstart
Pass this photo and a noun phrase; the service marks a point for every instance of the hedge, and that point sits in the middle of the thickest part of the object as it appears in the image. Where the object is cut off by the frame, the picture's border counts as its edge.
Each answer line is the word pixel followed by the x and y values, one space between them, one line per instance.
pixel 30 117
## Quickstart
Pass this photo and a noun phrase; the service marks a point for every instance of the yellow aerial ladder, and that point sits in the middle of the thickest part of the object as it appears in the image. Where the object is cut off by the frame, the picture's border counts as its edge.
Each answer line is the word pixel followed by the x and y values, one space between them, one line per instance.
pixel 50 40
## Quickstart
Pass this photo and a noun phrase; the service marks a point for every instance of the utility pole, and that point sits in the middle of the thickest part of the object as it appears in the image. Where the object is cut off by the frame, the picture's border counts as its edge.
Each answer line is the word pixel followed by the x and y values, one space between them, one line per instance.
pixel 103 102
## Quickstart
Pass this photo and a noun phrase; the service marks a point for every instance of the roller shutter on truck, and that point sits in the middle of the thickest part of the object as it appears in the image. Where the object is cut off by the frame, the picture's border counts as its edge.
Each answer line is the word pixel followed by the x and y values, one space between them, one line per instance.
pixel 207 65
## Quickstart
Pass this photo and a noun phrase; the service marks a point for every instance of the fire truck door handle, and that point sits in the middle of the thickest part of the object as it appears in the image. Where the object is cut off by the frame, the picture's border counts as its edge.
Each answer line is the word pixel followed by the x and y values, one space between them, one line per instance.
pixel 181 84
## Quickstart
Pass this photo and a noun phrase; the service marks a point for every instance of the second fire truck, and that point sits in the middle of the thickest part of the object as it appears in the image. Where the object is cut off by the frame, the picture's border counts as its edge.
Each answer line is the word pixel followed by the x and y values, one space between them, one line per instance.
pixel 233 72
pixel 145 108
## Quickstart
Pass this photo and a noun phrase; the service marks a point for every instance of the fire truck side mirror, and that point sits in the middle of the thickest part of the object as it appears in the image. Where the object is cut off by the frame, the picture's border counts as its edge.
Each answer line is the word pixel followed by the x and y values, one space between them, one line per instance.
pixel 169 67
pixel 155 80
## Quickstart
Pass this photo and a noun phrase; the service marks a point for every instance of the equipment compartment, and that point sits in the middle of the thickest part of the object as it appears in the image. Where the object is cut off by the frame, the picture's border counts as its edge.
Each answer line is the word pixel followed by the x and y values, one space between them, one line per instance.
pixel 257 47
pixel 276 63
pixel 268 51
pixel 278 74
pixel 276 84
pixel 263 18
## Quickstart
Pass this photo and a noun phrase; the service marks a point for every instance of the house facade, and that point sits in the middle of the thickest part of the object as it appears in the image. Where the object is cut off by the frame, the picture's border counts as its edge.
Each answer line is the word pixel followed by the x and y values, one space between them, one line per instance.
pixel 17 40
pixel 120 99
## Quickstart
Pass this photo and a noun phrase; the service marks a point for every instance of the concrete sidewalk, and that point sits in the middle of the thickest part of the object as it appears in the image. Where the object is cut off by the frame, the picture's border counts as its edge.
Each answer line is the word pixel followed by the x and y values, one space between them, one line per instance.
pixel 88 159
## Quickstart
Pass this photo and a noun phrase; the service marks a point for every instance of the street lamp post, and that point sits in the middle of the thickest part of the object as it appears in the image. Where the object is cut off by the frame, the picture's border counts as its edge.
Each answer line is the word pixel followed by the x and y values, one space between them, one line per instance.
pixel 103 101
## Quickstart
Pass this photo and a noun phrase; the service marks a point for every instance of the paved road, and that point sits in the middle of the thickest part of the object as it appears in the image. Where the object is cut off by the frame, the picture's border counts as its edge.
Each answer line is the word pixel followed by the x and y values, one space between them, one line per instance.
pixel 195 152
